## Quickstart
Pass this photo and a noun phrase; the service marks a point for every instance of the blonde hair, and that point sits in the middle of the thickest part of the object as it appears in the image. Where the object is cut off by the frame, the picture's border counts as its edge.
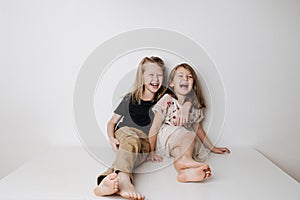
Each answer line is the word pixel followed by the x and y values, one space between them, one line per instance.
pixel 195 96
pixel 138 86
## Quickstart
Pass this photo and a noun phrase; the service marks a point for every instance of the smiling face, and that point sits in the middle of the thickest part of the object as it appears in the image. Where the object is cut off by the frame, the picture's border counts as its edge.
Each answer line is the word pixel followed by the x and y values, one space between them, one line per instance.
pixel 182 82
pixel 153 77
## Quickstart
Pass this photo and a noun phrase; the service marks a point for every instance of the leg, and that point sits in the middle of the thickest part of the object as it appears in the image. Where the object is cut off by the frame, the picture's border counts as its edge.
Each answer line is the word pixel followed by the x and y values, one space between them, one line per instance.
pixel 125 158
pixel 188 169
pixel 133 149
pixel 182 151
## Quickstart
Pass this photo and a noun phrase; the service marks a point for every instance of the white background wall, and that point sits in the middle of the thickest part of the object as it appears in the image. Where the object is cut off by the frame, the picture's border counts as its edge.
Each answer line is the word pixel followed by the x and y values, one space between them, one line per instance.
pixel 254 44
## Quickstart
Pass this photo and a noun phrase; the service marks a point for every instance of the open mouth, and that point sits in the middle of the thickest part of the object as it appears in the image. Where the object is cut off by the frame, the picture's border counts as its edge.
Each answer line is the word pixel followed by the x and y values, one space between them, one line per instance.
pixel 154 85
pixel 184 86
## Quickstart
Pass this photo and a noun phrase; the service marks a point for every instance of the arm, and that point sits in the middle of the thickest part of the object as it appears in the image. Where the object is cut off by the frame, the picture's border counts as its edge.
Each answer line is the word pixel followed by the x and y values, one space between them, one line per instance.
pixel 205 140
pixel 156 124
pixel 111 131
pixel 183 114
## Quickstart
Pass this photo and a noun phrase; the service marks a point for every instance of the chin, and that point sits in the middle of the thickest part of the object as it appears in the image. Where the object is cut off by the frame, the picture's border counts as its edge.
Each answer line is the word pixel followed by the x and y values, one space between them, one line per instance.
pixel 154 91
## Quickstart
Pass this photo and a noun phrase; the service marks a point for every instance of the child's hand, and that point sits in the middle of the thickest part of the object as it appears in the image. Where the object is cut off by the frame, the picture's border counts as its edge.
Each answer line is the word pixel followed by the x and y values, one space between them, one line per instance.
pixel 114 144
pixel 153 157
pixel 220 150
pixel 183 114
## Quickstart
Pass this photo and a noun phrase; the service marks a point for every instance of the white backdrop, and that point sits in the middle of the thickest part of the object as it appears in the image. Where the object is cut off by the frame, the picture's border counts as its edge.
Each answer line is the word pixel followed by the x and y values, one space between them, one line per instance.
pixel 254 44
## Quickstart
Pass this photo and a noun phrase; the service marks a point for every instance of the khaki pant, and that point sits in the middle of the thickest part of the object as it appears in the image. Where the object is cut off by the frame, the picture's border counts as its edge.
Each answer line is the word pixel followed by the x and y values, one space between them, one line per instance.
pixel 133 151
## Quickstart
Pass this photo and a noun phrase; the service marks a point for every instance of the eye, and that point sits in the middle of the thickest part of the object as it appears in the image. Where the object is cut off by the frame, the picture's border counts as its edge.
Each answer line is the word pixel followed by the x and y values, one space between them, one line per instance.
pixel 160 75
pixel 151 74
pixel 190 76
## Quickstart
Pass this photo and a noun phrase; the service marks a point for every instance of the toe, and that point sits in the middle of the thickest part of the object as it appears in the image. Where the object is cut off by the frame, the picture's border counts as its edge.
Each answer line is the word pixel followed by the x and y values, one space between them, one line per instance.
pixel 112 176
pixel 141 197
pixel 134 195
pixel 129 194
pixel 116 184
pixel 205 167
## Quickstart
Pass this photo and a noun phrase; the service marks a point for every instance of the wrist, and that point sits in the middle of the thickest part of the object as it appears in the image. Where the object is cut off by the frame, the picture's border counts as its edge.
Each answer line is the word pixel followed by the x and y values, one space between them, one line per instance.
pixel 188 105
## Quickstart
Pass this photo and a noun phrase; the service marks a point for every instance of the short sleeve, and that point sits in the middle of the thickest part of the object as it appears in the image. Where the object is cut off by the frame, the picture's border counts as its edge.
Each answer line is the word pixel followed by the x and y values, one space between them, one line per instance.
pixel 123 106
pixel 197 115
pixel 163 105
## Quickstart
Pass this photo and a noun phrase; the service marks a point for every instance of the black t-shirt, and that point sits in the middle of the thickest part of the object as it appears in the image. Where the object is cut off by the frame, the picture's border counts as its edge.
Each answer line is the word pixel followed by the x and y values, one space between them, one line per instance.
pixel 135 115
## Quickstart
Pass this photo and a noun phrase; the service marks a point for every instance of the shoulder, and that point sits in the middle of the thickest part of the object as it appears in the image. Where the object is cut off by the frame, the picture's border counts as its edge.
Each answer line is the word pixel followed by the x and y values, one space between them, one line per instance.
pixel 127 97
pixel 165 102
pixel 166 97
pixel 123 106
pixel 125 100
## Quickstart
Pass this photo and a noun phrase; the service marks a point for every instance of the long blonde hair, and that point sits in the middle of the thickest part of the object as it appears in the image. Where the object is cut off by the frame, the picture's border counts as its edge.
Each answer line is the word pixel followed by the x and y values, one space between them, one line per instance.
pixel 138 86
pixel 195 96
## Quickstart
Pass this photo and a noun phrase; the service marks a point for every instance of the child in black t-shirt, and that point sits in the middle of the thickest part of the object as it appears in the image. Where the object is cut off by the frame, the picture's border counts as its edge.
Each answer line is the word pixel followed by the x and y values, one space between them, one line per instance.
pixel 128 137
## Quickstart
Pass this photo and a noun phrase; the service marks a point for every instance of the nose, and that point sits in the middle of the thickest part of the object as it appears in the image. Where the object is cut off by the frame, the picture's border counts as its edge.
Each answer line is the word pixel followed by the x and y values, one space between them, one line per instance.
pixel 185 78
pixel 155 77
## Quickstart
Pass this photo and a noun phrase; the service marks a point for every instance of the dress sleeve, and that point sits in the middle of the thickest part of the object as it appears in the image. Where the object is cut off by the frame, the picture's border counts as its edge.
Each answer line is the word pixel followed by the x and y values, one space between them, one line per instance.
pixel 197 115
pixel 163 105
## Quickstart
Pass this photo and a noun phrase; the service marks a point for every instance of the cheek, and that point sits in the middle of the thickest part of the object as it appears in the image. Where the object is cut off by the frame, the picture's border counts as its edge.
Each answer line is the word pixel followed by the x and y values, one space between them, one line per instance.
pixel 177 82
pixel 192 82
pixel 146 80
pixel 161 79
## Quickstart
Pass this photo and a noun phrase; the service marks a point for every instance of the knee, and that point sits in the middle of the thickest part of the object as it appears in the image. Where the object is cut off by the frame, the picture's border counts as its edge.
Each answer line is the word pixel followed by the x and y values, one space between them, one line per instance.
pixel 190 136
pixel 132 144
pixel 133 140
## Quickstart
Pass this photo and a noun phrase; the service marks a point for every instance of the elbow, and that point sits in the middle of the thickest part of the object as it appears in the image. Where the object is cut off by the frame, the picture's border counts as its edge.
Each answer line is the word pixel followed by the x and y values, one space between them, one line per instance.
pixel 111 123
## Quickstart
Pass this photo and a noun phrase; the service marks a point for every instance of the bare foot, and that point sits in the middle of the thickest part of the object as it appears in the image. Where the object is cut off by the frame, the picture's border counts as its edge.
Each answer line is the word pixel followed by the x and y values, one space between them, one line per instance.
pixel 185 162
pixel 127 190
pixel 108 186
pixel 196 174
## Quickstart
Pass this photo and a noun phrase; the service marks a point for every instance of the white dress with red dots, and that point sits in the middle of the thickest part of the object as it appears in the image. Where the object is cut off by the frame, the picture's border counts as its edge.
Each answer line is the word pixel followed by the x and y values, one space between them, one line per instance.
pixel 168 108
